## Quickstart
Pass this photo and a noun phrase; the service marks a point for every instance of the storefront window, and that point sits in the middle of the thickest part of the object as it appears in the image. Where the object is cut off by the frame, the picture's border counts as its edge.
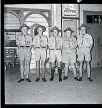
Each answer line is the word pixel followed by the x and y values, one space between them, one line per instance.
pixel 100 19
pixel 89 19
pixel 10 39
pixel 95 19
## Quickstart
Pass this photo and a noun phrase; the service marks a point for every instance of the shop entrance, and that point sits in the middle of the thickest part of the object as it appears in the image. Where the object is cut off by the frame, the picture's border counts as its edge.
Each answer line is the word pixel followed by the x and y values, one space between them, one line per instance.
pixel 32 20
pixel 94 21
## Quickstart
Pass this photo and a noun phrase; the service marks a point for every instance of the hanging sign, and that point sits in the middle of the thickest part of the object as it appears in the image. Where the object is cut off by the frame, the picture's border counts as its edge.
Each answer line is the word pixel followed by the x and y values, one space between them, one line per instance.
pixel 70 10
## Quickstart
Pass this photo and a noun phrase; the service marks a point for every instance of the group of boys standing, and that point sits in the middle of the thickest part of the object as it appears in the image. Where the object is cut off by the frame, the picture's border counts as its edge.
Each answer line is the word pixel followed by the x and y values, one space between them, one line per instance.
pixel 62 49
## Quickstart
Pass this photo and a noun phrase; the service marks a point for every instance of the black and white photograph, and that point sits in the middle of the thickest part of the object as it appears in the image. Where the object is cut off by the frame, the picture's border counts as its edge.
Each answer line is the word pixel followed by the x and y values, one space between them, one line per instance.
pixel 53 53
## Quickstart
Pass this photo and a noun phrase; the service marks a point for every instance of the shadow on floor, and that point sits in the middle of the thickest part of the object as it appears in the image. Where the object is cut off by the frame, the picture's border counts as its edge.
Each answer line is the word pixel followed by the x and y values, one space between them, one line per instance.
pixel 65 92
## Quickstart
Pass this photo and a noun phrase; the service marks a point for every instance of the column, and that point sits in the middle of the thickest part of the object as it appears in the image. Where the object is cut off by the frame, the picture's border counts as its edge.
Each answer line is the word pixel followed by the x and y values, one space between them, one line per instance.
pixel 53 15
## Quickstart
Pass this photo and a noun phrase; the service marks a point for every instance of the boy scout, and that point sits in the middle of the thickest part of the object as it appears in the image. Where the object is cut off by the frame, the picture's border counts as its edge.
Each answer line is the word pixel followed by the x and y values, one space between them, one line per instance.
pixel 85 43
pixel 69 52
pixel 40 46
pixel 24 41
pixel 55 46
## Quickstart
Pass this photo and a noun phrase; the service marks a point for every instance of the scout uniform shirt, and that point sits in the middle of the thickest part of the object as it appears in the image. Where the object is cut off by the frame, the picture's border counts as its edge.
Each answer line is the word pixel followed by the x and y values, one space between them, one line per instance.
pixel 24 40
pixel 40 41
pixel 24 43
pixel 40 45
pixel 84 42
pixel 55 42
pixel 55 46
pixel 69 44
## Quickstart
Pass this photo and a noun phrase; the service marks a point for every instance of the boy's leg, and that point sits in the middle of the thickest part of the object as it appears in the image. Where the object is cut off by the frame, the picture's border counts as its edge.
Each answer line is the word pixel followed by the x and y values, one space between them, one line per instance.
pixel 21 70
pixel 80 59
pixel 27 63
pixel 52 71
pixel 37 59
pixel 89 70
pixel 60 71
pixel 65 60
pixel 88 59
pixel 43 71
pixel 74 71
pixel 80 70
pixel 52 63
pixel 66 71
pixel 43 60
pixel 37 71
pixel 21 58
pixel 72 63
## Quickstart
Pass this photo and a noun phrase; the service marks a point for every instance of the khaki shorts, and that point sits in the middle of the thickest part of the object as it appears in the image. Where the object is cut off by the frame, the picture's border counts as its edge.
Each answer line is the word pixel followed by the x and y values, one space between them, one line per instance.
pixel 84 53
pixel 68 57
pixel 40 53
pixel 24 53
pixel 55 55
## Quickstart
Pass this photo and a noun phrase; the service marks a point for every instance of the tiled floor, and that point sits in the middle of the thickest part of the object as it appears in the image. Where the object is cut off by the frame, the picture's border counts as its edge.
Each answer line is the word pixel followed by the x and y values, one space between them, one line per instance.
pixel 65 92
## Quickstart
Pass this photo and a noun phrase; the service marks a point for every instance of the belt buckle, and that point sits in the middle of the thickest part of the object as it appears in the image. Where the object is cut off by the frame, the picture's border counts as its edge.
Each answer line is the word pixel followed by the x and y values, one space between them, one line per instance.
pixel 43 47
pixel 37 47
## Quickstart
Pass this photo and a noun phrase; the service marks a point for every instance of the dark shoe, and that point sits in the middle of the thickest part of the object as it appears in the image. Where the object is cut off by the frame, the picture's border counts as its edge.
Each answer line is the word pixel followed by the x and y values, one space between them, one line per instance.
pixel 90 79
pixel 60 79
pixel 80 79
pixel 37 79
pixel 27 79
pixel 76 78
pixel 65 77
pixel 51 79
pixel 44 79
pixel 20 80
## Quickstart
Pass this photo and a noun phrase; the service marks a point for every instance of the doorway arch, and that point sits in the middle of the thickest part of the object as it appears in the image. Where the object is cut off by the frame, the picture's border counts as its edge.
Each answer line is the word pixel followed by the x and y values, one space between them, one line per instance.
pixel 11 20
pixel 33 32
pixel 32 20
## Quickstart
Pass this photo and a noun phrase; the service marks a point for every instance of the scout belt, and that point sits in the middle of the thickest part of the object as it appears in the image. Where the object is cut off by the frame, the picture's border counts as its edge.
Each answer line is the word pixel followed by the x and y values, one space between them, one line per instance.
pixel 55 49
pixel 40 47
pixel 24 46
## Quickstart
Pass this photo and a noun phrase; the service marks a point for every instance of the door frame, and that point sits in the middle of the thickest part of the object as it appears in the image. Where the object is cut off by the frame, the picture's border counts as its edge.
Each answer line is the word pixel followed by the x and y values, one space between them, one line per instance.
pixel 90 13
pixel 77 25
pixel 85 13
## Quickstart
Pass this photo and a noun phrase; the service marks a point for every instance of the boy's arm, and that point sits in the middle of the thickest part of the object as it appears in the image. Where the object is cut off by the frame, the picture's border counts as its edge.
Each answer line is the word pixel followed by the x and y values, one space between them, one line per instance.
pixel 33 42
pixel 46 44
pixel 91 42
pixel 79 43
pixel 74 44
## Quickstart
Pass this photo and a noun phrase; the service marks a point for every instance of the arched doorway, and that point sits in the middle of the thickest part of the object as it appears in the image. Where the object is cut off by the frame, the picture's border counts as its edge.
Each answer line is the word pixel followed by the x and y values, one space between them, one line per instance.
pixel 31 21
pixel 11 21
